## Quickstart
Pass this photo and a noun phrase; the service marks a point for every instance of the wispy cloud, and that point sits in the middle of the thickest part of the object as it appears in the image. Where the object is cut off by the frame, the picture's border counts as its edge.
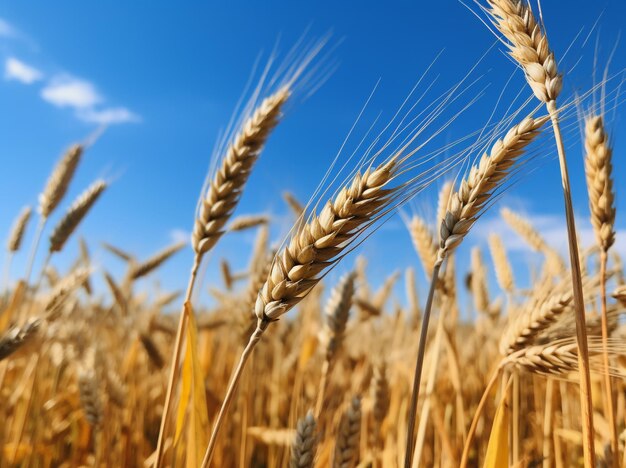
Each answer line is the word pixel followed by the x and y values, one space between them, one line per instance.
pixel 108 116
pixel 6 30
pixel 68 91
pixel 15 69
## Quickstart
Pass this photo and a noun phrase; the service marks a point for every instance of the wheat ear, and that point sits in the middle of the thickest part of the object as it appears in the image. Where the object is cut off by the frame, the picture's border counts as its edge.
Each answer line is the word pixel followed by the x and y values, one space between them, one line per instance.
pixel 305 443
pixel 52 194
pixel 599 174
pixel 16 337
pixel 466 204
pixel 15 240
pixel 347 439
pixel 75 214
pixel 528 45
pixel 314 247
pixel 502 266
pixel 241 223
pixel 154 262
pixel 336 315
pixel 424 243
pixel 215 208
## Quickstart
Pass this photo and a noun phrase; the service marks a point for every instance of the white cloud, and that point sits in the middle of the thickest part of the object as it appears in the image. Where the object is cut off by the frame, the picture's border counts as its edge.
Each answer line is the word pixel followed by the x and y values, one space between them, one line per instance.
pixel 15 69
pixel 67 91
pixel 6 30
pixel 108 116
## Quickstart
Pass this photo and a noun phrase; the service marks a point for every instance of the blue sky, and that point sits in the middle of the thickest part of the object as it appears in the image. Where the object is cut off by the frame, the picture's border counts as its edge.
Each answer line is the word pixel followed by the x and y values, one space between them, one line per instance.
pixel 167 79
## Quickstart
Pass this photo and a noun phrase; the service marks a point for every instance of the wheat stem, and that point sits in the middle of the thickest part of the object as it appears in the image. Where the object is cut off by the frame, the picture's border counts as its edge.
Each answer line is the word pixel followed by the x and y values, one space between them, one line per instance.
pixel 579 303
pixel 408 457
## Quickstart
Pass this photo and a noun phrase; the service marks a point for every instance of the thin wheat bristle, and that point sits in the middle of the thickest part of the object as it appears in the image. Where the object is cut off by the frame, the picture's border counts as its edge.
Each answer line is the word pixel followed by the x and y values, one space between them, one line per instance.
pixel 75 214
pixel 228 182
pixel 502 266
pixel 528 45
pixel 18 230
pixel 142 269
pixel 16 337
pixel 304 445
pixel 347 440
pixel 599 172
pixel 468 202
pixel 59 181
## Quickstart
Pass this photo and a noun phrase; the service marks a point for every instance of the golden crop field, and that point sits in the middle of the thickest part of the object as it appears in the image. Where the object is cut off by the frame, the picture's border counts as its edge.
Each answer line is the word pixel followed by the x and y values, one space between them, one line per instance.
pixel 352 376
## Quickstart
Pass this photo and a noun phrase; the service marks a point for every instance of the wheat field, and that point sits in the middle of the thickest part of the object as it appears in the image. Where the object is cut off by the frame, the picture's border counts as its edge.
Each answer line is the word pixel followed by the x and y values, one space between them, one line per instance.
pixel 290 365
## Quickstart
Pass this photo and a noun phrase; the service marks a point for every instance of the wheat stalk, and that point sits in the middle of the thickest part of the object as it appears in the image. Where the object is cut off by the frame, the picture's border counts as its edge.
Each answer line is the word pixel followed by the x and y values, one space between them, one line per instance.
pixel 528 45
pixel 465 205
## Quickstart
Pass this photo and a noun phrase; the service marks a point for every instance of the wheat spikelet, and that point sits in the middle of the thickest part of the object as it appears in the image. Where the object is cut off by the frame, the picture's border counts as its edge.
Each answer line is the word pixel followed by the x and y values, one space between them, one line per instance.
pixel 317 245
pixel 59 181
pixel 18 230
pixel 424 243
pixel 16 337
pixel 528 45
pixel 502 267
pixel 154 262
pixel 347 439
pixel 468 202
pixel 74 215
pixel 304 443
pixel 227 185
pixel 336 314
pixel 598 169
pixel 550 359
pixel 241 223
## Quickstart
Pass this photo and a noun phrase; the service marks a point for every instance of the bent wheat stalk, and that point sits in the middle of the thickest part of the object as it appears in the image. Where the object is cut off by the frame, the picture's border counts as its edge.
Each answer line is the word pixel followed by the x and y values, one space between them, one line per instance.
pixel 528 45
pixel 466 204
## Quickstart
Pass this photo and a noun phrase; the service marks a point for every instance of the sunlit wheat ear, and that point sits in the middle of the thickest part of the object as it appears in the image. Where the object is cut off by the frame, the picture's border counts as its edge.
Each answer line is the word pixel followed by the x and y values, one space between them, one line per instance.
pixel 296 207
pixel 75 215
pixel 119 253
pixel 19 228
pixel 317 245
pixel 528 45
pixel 154 262
pixel 503 269
pixel 526 231
pixel 304 445
pixel 17 336
pixel 424 243
pixel 469 201
pixel 227 184
pixel 381 400
pixel 347 440
pixel 63 290
pixel 442 201
pixel 59 181
pixel 598 169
